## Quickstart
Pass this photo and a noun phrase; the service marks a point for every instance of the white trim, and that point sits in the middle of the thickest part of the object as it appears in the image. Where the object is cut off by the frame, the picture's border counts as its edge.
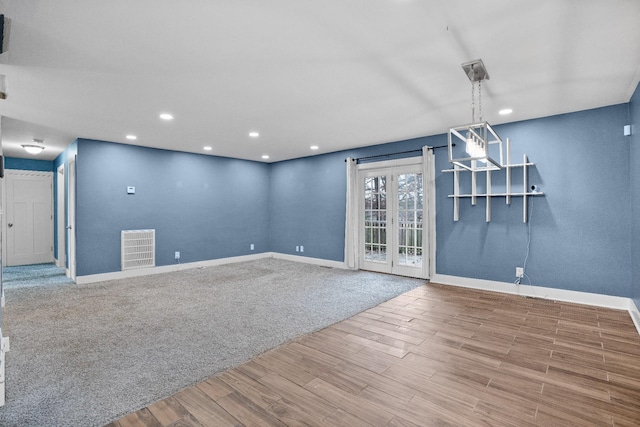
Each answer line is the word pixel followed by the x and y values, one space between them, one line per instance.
pixel 587 298
pixel 351 228
pixel 309 260
pixel 408 161
pixel 535 291
pixel 2 382
pixel 71 212
pixel 23 172
pixel 116 275
pixel 59 227
pixel 424 164
pixel 4 348
pixel 635 314
pixel 92 278
pixel 429 188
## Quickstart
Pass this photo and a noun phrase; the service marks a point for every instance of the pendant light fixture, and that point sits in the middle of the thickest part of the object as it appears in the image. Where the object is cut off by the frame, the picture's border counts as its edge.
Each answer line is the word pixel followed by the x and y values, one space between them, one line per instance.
pixel 478 138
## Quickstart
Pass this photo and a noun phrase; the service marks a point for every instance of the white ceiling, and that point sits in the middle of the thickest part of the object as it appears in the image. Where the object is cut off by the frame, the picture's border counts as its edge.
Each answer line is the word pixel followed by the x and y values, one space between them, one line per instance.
pixel 333 73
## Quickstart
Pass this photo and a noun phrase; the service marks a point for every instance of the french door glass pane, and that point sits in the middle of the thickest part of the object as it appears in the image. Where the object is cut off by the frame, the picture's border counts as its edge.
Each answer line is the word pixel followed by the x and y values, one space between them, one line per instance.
pixel 375 219
pixel 410 210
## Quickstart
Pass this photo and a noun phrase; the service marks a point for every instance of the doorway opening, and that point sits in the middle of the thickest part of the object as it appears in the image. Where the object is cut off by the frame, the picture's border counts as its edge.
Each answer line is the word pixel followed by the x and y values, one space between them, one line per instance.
pixel 29 217
pixel 390 216
pixel 35 275
pixel 392 220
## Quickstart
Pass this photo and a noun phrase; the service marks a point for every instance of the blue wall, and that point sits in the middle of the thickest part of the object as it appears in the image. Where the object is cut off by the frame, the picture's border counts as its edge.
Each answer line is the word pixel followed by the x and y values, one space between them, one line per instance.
pixel 579 230
pixel 209 207
pixel 634 141
pixel 28 164
pixel 580 236
pixel 206 207
pixel 307 206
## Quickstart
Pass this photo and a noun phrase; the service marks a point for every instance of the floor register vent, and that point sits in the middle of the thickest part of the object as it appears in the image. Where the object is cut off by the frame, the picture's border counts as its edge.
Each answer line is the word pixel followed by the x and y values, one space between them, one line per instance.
pixel 138 249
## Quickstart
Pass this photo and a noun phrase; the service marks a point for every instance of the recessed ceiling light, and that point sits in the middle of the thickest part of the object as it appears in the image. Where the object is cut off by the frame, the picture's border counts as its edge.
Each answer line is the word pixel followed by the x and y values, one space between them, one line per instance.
pixel 254 134
pixel 131 137
pixel 505 111
pixel 207 148
pixel 314 147
pixel 166 116
pixel 265 156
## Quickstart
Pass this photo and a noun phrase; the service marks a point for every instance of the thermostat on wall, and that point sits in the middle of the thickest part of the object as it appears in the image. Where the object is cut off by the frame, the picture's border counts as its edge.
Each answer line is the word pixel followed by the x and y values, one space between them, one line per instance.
pixel 131 190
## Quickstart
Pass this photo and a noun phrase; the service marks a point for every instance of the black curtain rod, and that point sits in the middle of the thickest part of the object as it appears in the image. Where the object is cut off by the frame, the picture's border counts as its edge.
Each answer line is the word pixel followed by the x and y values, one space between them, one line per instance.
pixel 398 153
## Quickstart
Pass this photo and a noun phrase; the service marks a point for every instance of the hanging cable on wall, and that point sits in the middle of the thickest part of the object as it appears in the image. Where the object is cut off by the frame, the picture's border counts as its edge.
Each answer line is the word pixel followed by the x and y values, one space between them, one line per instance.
pixel 526 257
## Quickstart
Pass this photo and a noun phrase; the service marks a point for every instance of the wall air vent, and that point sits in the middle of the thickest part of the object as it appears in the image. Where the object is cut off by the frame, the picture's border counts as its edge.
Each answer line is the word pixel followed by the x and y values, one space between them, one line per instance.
pixel 138 249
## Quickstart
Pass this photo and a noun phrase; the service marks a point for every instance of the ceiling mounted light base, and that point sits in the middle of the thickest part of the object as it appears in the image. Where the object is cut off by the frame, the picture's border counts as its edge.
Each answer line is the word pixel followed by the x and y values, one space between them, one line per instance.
pixel 33 149
pixel 475 70
pixel 476 142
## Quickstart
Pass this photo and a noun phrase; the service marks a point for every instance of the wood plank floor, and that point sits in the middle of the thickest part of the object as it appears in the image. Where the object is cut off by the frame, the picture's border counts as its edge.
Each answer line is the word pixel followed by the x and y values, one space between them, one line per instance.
pixel 435 356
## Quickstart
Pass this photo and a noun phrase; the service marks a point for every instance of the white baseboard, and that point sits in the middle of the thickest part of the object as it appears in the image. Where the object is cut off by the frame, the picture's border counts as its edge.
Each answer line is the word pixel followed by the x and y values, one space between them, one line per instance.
pixel 4 347
pixel 93 278
pixel 587 298
pixel 309 260
pixel 635 314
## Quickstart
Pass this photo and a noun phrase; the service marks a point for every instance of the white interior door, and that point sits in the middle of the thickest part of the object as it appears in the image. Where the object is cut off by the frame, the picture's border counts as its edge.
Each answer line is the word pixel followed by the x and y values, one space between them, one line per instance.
pixel 29 220
pixel 391 236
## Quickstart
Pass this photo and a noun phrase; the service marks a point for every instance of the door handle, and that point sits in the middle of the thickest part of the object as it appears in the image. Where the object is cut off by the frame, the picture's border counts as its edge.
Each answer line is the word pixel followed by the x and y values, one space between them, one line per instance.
pixel 68 227
pixel 10 225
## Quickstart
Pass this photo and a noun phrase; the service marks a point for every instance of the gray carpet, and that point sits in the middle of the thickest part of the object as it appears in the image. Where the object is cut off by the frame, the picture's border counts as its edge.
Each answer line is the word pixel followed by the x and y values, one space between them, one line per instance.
pixel 84 355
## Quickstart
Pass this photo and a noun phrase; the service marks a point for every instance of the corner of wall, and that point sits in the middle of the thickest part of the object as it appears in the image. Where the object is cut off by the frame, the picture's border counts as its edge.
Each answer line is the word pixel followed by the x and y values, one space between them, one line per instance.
pixel 635 314
pixel 634 186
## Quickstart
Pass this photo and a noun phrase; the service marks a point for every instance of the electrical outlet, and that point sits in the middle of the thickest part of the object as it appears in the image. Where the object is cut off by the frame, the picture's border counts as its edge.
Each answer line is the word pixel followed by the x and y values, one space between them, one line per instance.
pixel 519 272
pixel 252 247
pixel 301 248
pixel 177 254
pixel 297 248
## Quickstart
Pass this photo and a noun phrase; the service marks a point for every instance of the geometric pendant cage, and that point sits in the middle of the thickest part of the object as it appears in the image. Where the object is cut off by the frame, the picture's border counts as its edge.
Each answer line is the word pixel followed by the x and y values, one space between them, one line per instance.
pixel 482 147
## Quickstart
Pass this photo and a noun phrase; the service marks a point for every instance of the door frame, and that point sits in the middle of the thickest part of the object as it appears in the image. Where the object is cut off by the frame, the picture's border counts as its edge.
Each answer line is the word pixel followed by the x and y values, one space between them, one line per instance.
pixel 61 217
pixel 5 230
pixel 429 225
pixel 71 218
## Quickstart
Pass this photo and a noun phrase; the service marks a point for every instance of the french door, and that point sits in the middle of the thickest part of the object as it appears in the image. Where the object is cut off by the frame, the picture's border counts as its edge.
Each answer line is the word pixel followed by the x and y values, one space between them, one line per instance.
pixel 391 234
